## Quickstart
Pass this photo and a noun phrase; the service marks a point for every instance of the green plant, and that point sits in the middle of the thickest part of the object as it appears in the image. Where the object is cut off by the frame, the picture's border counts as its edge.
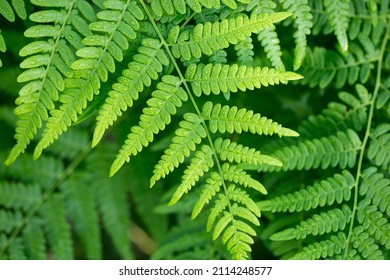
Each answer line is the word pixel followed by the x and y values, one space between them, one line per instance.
pixel 174 77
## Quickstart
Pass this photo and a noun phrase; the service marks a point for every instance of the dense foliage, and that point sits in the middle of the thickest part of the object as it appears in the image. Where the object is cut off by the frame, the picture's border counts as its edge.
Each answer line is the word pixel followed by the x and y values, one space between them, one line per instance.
pixel 263 127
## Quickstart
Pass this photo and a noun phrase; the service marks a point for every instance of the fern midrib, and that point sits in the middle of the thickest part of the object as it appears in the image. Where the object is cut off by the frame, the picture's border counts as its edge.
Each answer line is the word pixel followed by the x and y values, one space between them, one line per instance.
pixel 216 159
pixel 367 135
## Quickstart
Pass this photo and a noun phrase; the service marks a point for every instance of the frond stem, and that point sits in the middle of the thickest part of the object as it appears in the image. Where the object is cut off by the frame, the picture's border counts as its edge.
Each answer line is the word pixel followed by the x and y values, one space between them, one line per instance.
pixel 198 112
pixel 367 135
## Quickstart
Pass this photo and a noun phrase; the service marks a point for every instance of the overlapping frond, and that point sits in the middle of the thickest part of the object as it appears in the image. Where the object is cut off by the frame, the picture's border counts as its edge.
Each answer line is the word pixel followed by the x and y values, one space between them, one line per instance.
pixel 142 70
pixel 187 136
pixel 209 37
pixel 60 26
pixel 336 150
pixel 379 149
pixel 164 103
pixel 171 6
pixel 329 191
pixel 116 25
pixel 323 67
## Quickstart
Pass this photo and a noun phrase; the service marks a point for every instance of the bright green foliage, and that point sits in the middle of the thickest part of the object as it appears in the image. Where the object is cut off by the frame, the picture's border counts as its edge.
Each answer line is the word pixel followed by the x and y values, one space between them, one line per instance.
pixel 218 78
pixel 209 37
pixel 337 11
pixel 171 79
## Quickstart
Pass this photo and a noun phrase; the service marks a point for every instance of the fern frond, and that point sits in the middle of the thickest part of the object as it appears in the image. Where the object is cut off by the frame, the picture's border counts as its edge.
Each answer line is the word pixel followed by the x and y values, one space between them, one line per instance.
pixel 34 240
pixel 271 44
pixel 18 195
pixel 217 78
pixel 57 228
pixel 145 67
pixel 111 199
pixel 303 20
pixel 117 25
pixel 187 136
pixel 379 148
pixel 374 222
pixel 244 51
pixel 238 153
pixel 325 222
pixel 337 12
pixel 235 174
pixel 323 67
pixel 323 249
pixel 80 203
pixel 168 96
pixel 365 244
pixel 231 119
pixel 210 189
pixel 233 225
pixel 47 64
pixel 9 220
pixel 170 6
pixel 339 116
pixel 209 37
pixel 327 192
pixel 336 150
pixel 200 164
pixel 376 188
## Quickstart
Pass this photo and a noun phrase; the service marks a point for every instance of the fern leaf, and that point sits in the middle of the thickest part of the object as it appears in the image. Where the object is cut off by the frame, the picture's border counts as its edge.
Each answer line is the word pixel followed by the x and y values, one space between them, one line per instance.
pixel 34 240
pixel 379 148
pixel 209 37
pixel 375 187
pixel 374 222
pixel 57 228
pixel 325 222
pixel 323 67
pixel 187 136
pixel 81 208
pixel 210 189
pixel 217 78
pixel 9 220
pixel 102 49
pixel 145 67
pixel 235 174
pixel 168 96
pixel 327 192
pixel 337 12
pixel 303 20
pixel 3 47
pixel 271 44
pixel 323 249
pixel 238 153
pixel 18 195
pixel 244 51
pixel 231 119
pixel 200 163
pixel 47 64
pixel 365 244
pixel 6 10
pixel 337 150
pixel 111 200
